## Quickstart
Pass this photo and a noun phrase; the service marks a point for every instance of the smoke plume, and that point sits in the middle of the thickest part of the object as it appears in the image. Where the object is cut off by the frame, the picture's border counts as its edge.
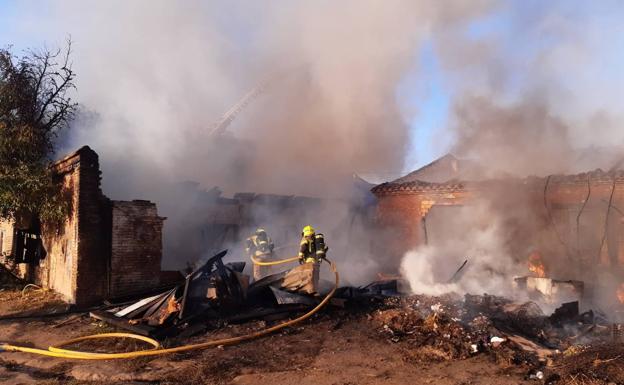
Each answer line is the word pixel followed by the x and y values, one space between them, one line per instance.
pixel 154 76
pixel 536 97
pixel 159 74
pixel 532 97
pixel 475 234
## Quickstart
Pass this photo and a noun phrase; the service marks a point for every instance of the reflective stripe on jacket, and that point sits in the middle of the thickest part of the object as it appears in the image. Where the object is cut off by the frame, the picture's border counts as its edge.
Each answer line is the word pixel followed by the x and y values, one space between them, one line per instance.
pixel 255 246
pixel 313 249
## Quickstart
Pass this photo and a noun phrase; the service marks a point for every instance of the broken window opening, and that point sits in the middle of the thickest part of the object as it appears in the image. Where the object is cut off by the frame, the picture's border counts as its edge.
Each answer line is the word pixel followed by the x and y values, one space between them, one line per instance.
pixel 28 247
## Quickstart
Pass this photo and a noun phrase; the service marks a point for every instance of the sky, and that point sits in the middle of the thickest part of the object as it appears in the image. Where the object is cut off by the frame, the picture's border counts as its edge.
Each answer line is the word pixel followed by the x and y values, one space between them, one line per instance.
pixel 575 48
pixel 591 80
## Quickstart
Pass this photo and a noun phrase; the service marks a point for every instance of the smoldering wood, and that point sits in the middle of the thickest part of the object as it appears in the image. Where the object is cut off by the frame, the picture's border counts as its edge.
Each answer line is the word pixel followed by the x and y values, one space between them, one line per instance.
pixel 458 273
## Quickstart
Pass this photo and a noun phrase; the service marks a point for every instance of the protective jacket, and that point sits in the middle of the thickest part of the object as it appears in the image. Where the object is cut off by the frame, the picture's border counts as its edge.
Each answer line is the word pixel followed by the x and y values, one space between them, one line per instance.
pixel 259 246
pixel 312 248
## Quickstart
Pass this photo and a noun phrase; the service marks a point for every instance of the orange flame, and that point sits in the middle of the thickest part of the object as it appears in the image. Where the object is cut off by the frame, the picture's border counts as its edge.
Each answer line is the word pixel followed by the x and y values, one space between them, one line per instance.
pixel 620 293
pixel 536 265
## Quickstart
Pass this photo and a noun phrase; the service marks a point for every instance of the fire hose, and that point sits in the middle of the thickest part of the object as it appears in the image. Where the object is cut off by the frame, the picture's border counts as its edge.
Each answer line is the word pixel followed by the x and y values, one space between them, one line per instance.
pixel 157 349
pixel 272 263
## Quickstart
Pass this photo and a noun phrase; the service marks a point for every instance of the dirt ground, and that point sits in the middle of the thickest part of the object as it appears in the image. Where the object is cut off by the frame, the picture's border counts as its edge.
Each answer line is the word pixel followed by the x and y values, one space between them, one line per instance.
pixel 19 298
pixel 323 351
pixel 338 347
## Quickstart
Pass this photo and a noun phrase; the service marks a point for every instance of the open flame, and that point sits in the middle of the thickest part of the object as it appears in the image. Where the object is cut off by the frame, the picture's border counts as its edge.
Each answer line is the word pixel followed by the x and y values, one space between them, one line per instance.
pixel 536 265
pixel 620 293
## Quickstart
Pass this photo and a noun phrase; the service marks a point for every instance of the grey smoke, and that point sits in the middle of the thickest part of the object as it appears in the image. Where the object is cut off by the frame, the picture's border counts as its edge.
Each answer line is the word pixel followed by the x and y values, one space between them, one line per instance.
pixel 158 74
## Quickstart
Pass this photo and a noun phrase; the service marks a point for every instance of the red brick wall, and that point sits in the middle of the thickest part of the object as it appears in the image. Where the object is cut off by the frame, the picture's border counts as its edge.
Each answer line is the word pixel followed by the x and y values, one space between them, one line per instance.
pixel 58 270
pixel 93 250
pixel 100 243
pixel 76 257
pixel 399 217
pixel 401 212
pixel 593 220
pixel 136 250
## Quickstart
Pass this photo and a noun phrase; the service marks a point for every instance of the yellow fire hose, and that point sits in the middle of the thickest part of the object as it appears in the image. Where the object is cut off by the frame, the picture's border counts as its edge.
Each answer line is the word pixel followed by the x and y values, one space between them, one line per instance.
pixel 272 263
pixel 57 351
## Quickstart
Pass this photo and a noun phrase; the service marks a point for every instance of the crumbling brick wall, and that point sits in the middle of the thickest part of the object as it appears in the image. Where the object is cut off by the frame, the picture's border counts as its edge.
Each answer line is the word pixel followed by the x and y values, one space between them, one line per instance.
pixel 136 250
pixel 57 270
pixel 75 262
pixel 554 202
pixel 400 215
pixel 580 205
pixel 92 250
pixel 79 260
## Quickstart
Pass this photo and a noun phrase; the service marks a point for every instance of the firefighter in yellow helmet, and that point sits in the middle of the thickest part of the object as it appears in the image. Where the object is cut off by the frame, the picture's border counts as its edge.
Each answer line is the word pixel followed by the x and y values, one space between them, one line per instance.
pixel 312 247
pixel 260 246
pixel 312 250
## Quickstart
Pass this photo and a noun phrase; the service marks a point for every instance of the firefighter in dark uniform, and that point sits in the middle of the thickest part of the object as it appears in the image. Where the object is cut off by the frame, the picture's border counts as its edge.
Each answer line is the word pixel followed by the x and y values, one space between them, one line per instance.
pixel 260 246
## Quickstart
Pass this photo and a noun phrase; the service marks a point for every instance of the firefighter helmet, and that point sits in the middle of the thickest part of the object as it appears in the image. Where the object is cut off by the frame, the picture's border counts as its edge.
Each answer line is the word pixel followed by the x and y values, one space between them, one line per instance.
pixel 308 231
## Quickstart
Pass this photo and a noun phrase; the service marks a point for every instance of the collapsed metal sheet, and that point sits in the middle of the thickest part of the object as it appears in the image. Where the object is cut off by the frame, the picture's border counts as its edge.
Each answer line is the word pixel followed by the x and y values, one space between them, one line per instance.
pixel 214 286
pixel 143 302
pixel 287 298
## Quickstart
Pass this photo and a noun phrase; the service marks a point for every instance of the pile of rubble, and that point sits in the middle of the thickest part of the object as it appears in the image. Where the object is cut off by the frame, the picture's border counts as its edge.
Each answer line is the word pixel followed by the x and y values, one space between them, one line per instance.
pixel 555 348
pixel 446 328
pixel 588 364
pixel 213 294
pixel 551 348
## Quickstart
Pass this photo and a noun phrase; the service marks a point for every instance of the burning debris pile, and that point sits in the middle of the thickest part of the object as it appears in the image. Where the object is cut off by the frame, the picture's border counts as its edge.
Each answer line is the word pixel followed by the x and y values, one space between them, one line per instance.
pixel 536 265
pixel 429 328
pixel 562 348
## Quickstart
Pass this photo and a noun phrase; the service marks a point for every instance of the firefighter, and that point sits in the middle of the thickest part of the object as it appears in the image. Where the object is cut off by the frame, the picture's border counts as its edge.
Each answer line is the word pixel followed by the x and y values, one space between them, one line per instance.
pixel 260 246
pixel 312 250
pixel 312 247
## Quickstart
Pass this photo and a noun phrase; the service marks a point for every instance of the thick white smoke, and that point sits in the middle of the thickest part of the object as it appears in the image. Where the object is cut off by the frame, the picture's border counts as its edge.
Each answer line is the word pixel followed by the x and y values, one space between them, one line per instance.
pixel 533 93
pixel 476 234
pixel 534 90
pixel 158 74
pixel 155 76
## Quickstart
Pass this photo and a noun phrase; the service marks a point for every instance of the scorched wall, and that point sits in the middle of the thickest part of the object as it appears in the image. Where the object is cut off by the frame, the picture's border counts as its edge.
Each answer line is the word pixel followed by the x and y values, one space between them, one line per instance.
pixel 102 249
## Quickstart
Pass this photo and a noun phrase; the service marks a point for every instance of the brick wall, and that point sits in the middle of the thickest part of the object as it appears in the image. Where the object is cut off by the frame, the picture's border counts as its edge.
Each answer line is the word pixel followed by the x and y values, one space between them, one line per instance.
pixel 400 217
pixel 76 261
pixel 136 250
pixel 57 270
pixel 80 263
pixel 401 210
pixel 93 249
pixel 585 237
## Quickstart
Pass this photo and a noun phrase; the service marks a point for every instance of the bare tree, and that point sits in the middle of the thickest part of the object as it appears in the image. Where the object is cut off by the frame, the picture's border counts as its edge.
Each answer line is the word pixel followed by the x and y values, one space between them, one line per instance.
pixel 34 107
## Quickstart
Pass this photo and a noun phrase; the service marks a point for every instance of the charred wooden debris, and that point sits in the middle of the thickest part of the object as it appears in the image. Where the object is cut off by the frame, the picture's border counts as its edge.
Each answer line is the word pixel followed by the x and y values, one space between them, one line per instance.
pixel 431 327
pixel 213 294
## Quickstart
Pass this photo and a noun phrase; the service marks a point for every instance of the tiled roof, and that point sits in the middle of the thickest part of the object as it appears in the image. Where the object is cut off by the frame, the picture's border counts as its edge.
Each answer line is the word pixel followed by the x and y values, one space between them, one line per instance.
pixel 596 176
pixel 417 186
